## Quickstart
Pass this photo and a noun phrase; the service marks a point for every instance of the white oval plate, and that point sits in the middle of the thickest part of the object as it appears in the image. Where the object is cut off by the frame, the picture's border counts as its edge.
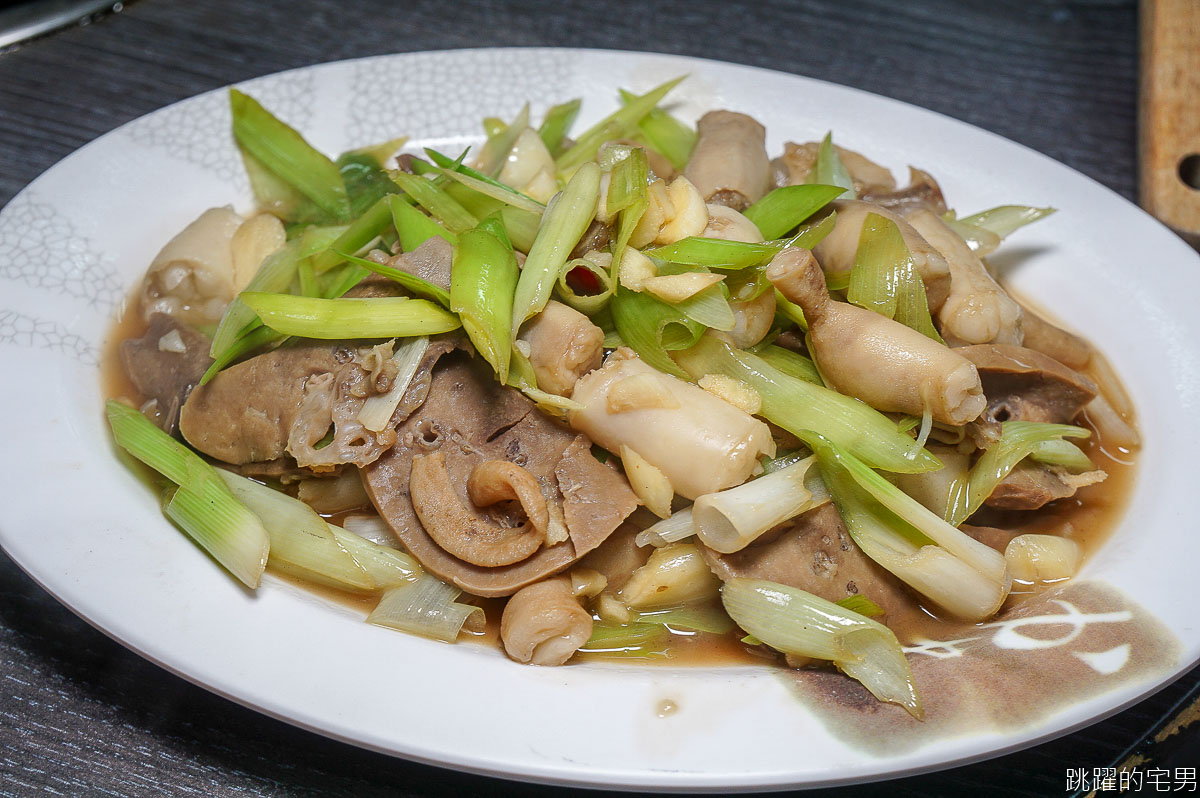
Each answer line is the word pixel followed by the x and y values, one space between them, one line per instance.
pixel 75 241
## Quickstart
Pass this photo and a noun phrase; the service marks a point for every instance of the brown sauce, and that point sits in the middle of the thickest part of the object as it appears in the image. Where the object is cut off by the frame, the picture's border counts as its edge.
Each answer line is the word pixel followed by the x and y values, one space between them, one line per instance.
pixel 1088 518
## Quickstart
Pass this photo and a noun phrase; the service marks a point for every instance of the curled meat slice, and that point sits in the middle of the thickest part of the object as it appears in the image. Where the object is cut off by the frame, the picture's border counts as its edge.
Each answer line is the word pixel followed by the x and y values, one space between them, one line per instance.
pixel 465 534
pixel 864 354
pixel 922 191
pixel 469 420
pixel 286 401
pixel 1031 486
pixel 544 624
pixel 331 404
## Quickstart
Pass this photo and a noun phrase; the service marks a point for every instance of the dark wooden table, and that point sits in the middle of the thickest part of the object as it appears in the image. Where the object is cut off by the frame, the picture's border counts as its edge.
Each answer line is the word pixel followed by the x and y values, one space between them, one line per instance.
pixel 81 715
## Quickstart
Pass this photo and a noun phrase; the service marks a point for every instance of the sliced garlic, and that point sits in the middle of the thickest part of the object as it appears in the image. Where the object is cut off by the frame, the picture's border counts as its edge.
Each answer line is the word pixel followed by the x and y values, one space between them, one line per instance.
pixel 730 225
pixel 650 484
pixel 658 210
pixel 252 242
pixel 674 575
pixel 587 583
pixel 732 390
pixel 612 609
pixel 678 287
pixel 687 215
pixel 635 269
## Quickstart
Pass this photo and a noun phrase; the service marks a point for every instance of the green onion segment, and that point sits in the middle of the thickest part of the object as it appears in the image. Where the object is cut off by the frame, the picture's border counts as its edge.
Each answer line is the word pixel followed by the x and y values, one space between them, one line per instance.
pixel 202 506
pixel 795 622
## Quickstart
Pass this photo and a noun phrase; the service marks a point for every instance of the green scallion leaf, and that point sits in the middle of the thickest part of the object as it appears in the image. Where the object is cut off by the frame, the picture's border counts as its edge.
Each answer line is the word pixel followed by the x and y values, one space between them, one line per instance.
pixel 791 363
pixel 650 327
pixel 885 280
pixel 562 226
pixel 275 274
pixel 665 133
pixel 500 142
pixel 365 180
pixel 1018 440
pixel 203 507
pixel 483 279
pixel 798 406
pixel 829 169
pixel 413 227
pixel 618 124
pixel 331 319
pixel 557 124
pixel 286 154
pixel 589 302
pixel 437 201
pixel 860 604
pixel 786 207
pixel 359 234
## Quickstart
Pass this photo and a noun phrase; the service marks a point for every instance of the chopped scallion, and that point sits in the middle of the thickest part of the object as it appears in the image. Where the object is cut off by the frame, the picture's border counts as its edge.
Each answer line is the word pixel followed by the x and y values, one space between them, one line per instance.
pixel 330 319
pixel 797 406
pixel 787 206
pixel 562 226
pixel 207 511
pixel 287 155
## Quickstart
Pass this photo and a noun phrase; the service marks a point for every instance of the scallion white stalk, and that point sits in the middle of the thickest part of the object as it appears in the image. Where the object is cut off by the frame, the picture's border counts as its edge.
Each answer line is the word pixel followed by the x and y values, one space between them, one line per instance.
pixel 301 541
pixel 1004 219
pixel 203 507
pixel 795 622
pixel 730 520
pixel 425 606
pixel 668 530
pixel 386 566
pixel 957 572
pixel 1018 440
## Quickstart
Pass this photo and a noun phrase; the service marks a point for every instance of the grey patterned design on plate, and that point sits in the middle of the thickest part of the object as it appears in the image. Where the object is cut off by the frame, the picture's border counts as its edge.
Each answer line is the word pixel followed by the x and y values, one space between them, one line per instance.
pixel 41 247
pixel 19 329
pixel 424 95
pixel 197 130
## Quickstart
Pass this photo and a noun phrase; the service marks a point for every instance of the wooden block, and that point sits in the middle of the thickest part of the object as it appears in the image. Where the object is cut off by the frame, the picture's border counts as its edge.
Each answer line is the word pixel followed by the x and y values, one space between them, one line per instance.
pixel 1169 118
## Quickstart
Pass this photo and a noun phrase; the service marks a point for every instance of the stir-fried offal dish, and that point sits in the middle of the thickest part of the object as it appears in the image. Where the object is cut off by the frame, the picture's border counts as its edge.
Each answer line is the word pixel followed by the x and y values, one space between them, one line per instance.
pixel 618 392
